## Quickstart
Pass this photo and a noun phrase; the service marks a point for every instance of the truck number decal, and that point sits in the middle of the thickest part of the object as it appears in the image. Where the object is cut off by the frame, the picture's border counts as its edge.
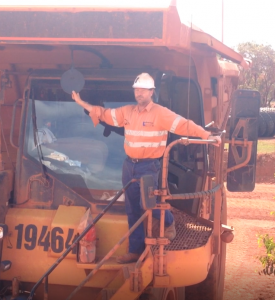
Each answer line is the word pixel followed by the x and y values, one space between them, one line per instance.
pixel 28 238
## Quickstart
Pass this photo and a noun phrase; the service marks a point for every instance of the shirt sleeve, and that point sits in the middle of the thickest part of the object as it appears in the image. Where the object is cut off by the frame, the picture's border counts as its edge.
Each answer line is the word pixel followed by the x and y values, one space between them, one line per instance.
pixel 111 116
pixel 177 124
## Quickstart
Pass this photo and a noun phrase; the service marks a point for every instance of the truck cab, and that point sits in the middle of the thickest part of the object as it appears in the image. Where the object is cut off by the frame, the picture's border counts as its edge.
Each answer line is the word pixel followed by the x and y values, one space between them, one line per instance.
pixel 55 165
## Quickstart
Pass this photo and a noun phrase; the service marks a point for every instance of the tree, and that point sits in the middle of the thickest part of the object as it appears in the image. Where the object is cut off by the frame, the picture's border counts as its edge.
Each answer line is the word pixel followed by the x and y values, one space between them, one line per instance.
pixel 261 75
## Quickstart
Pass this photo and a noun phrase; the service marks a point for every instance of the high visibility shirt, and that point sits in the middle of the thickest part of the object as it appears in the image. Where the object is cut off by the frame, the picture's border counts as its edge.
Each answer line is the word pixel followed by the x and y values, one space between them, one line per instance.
pixel 146 131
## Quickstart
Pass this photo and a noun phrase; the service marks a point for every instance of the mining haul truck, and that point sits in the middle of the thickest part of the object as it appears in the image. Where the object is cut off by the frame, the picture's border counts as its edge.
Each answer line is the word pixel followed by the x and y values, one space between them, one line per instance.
pixel 56 193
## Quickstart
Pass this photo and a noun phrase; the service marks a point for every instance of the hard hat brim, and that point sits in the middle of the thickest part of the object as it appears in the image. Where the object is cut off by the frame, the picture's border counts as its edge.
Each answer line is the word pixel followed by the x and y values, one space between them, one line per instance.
pixel 143 87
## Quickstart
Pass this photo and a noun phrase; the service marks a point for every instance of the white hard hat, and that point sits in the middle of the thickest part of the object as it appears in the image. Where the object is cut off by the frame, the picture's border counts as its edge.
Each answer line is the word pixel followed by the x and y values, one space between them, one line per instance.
pixel 144 81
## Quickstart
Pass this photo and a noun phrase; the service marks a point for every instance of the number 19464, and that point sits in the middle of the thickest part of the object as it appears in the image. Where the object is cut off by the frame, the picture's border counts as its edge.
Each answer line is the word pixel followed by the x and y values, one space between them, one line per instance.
pixel 54 239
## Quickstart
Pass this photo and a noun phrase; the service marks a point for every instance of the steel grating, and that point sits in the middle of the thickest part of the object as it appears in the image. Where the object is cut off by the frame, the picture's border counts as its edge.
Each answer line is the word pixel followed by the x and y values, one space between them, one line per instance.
pixel 190 233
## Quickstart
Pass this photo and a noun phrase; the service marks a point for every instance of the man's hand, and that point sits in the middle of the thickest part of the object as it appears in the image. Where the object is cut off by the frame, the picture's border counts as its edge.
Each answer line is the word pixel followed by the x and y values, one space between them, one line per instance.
pixel 215 138
pixel 78 100
pixel 76 97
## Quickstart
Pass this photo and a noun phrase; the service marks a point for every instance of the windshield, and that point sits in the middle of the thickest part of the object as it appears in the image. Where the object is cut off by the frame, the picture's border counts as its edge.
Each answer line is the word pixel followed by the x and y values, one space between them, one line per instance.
pixel 72 146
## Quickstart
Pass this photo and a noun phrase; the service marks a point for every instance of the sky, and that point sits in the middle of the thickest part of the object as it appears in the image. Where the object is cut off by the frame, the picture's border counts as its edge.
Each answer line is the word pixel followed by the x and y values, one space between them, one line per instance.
pixel 243 20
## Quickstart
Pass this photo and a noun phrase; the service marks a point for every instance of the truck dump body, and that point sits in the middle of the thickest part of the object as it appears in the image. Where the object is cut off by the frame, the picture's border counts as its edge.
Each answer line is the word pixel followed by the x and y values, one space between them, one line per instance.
pixel 115 26
pixel 52 175
pixel 158 26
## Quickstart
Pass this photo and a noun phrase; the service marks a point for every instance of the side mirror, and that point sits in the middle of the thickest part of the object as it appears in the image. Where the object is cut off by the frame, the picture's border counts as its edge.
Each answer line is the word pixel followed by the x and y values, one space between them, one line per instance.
pixel 243 129
pixel 148 199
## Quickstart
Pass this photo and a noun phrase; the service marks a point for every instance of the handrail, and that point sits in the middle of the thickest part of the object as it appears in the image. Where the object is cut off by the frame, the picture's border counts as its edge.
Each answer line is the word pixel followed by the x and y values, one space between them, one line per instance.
pixel 185 142
pixel 187 196
pixel 12 123
pixel 165 191
pixel 85 231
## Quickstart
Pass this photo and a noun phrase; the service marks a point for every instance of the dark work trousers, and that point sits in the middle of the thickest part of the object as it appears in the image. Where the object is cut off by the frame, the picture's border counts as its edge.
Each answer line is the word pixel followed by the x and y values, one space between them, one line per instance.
pixel 133 202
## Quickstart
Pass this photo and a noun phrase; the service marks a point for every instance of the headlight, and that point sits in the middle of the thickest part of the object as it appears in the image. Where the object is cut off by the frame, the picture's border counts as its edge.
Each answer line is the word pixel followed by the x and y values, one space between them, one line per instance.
pixel 3 230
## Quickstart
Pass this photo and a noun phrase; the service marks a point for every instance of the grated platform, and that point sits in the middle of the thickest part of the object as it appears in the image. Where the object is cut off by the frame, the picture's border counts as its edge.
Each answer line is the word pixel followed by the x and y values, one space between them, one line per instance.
pixel 190 233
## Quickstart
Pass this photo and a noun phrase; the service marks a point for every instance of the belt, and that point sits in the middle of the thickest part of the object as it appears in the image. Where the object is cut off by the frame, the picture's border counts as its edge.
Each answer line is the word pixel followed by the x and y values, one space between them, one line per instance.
pixel 137 160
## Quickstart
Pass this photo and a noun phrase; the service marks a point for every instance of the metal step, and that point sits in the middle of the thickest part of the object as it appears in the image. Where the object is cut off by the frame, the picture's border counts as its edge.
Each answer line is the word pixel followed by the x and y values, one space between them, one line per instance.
pixel 110 264
pixel 191 234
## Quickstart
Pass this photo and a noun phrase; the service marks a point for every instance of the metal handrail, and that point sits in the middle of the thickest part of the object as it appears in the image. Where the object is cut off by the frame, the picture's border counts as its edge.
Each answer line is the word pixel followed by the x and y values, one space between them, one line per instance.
pixel 185 142
pixel 187 196
pixel 85 231
pixel 12 123
pixel 165 191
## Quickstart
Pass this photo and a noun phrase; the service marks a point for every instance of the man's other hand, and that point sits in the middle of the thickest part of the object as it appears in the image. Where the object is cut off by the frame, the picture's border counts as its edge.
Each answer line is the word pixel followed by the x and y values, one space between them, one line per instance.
pixel 215 138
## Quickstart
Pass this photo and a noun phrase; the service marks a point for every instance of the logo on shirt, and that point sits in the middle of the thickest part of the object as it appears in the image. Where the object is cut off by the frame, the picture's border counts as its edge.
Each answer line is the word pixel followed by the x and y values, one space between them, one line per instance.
pixel 148 124
pixel 126 122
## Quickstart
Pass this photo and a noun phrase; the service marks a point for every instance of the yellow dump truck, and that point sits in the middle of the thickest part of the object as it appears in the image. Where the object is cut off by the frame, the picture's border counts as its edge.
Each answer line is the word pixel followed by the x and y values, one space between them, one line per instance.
pixel 56 167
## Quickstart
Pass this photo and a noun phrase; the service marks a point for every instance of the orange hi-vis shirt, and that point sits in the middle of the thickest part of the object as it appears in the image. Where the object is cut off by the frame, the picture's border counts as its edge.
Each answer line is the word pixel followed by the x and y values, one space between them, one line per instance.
pixel 146 131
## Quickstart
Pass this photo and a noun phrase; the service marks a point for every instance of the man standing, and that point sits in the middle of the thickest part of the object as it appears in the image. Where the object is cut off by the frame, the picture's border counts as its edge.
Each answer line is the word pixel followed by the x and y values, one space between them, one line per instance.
pixel 146 127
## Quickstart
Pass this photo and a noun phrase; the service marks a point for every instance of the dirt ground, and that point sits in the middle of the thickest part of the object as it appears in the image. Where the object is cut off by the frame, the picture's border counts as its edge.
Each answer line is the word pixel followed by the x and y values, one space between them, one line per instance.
pixel 265 168
pixel 249 213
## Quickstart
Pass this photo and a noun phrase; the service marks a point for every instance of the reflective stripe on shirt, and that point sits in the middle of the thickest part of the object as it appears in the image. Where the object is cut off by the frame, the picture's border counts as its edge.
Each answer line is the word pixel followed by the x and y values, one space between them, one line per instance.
pixel 145 133
pixel 113 114
pixel 175 124
pixel 144 144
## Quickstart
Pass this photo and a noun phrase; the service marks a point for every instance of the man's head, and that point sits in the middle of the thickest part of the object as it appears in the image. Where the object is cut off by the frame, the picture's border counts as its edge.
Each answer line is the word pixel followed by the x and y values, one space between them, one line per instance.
pixel 144 88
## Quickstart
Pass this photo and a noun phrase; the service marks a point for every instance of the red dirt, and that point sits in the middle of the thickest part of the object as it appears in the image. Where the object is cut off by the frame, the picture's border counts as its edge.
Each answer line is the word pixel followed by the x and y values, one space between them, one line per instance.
pixel 249 213
pixel 265 168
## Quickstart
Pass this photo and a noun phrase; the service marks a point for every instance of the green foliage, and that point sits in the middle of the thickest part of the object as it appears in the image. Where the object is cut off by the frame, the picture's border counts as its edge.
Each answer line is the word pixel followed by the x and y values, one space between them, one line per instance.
pixel 265 146
pixel 268 259
pixel 261 75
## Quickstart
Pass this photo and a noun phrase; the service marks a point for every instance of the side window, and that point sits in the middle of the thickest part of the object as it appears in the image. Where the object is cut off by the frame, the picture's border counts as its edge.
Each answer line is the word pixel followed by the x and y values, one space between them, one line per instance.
pixel 164 94
pixel 186 100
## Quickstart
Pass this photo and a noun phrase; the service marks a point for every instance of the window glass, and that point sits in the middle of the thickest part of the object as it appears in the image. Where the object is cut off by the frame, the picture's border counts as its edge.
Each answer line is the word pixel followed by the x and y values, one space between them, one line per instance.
pixel 70 144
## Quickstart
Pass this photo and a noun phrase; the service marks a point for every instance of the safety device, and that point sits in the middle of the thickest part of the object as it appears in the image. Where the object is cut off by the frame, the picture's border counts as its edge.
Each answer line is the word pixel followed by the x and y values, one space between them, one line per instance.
pixel 144 81
pixel 72 80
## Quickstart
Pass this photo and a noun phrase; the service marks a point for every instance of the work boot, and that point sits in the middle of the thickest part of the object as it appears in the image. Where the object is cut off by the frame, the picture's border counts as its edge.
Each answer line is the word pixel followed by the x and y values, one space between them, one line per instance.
pixel 127 258
pixel 169 232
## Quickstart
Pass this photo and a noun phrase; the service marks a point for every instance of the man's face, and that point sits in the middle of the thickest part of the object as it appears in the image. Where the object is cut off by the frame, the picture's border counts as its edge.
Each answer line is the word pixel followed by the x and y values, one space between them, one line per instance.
pixel 143 96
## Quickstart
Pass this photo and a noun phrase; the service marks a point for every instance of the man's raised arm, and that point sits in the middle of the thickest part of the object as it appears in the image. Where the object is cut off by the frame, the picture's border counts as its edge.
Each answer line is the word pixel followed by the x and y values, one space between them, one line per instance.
pixel 111 116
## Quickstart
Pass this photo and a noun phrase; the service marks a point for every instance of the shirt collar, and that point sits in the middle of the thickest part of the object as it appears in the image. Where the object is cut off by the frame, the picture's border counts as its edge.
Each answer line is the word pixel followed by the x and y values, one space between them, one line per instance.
pixel 148 107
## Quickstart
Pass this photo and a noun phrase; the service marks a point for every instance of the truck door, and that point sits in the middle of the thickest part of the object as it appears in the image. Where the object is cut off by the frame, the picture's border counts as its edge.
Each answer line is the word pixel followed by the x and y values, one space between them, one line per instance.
pixel 187 164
